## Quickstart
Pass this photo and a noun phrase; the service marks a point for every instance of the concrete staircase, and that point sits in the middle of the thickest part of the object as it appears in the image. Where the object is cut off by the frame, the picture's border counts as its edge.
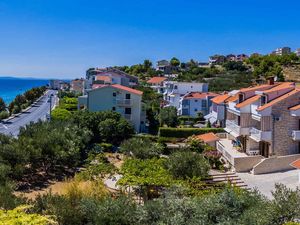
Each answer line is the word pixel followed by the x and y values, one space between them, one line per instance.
pixel 218 180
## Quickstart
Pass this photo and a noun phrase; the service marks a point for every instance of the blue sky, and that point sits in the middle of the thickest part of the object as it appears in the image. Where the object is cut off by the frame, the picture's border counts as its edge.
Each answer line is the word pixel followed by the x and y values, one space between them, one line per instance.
pixel 62 38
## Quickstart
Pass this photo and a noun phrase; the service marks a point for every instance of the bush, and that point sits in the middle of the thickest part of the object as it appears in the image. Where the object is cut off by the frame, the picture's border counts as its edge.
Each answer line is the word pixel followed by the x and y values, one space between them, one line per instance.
pixel 4 115
pixel 60 114
pixel 186 132
pixel 106 147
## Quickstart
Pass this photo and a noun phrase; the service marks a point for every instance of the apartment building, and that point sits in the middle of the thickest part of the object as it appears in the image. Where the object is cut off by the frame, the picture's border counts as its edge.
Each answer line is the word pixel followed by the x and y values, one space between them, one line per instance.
pixel 96 76
pixel 77 85
pixel 282 51
pixel 297 52
pixel 118 98
pixel 263 123
pixel 193 103
pixel 217 114
pixel 157 83
pixel 175 90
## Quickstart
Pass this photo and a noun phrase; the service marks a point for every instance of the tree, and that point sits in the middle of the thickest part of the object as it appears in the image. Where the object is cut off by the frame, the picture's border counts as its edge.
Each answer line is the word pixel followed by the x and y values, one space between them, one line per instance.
pixel 2 105
pixel 113 131
pixel 168 116
pixel 147 64
pixel 175 62
pixel 141 148
pixel 60 114
pixel 186 164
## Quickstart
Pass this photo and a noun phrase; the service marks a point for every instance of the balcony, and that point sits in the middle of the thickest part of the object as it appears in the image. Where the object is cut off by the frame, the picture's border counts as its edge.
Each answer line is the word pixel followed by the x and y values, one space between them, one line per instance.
pixel 296 135
pixel 236 130
pixel 124 102
pixel 258 135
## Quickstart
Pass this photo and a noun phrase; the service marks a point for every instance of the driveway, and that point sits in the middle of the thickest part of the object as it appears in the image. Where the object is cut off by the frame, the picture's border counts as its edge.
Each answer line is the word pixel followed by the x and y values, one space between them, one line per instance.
pixel 265 183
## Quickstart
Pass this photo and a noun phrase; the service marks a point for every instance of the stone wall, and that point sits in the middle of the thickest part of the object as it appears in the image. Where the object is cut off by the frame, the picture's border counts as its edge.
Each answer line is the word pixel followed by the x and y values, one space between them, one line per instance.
pixel 283 144
pixel 275 164
pixel 245 164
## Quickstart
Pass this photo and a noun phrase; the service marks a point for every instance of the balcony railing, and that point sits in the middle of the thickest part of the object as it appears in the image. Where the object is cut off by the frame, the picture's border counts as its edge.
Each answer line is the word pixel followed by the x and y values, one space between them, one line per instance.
pixel 259 135
pixel 231 126
pixel 296 135
pixel 124 102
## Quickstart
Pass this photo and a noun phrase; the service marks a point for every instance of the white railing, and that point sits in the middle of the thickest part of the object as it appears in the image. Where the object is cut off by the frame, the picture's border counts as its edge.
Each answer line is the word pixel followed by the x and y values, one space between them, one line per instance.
pixel 126 102
pixel 259 135
pixel 232 126
pixel 296 135
pixel 221 148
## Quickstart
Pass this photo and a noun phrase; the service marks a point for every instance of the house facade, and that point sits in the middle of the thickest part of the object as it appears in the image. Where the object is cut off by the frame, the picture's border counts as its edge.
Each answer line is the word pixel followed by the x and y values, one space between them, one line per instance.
pixel 97 76
pixel 264 122
pixel 157 83
pixel 194 103
pixel 77 85
pixel 118 98
pixel 217 114
pixel 175 90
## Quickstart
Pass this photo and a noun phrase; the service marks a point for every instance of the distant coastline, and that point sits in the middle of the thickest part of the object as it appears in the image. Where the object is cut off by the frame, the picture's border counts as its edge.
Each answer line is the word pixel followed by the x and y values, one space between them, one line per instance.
pixel 11 86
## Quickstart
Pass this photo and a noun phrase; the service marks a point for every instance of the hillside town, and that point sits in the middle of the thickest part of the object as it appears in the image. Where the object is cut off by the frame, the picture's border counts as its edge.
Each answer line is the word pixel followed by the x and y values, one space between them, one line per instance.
pixel 157 137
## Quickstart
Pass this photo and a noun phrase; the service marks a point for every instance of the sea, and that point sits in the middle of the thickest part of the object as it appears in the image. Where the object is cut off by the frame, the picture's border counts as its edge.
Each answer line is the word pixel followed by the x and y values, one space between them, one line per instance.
pixel 10 87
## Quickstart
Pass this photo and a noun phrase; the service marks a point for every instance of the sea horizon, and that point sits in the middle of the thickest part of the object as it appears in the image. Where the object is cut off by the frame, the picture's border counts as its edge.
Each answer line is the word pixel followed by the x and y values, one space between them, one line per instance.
pixel 11 86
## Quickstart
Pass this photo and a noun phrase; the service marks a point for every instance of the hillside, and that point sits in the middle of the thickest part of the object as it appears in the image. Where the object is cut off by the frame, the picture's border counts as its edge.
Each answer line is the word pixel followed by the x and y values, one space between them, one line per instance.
pixel 292 72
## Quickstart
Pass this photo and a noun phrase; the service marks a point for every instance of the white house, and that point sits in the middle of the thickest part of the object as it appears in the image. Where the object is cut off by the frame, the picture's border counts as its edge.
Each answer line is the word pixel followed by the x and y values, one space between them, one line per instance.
pixel 175 90
pixel 157 83
pixel 194 103
pixel 118 98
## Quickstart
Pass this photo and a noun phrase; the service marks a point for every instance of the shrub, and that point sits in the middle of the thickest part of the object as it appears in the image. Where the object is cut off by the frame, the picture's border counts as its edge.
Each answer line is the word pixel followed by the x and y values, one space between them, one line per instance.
pixel 4 115
pixel 106 147
pixel 186 132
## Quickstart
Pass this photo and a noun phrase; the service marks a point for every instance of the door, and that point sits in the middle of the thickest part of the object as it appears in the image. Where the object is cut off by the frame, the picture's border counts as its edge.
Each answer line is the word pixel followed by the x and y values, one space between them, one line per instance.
pixel 264 148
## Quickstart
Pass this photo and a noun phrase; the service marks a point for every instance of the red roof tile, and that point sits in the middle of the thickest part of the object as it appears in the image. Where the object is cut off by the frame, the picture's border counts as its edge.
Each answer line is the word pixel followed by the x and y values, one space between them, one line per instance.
pixel 296 164
pixel 276 100
pixel 208 137
pixel 193 95
pixel 220 99
pixel 296 107
pixel 118 86
pixel 156 80
pixel 248 101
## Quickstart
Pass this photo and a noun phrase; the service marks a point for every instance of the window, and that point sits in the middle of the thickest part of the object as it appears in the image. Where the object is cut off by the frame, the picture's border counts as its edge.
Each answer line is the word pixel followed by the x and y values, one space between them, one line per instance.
pixel 128 111
pixel 196 110
pixel 241 98
pixel 196 100
pixel 114 94
pixel 113 108
pixel 239 121
pixel 175 87
pixel 203 103
pixel 128 96
pixel 263 100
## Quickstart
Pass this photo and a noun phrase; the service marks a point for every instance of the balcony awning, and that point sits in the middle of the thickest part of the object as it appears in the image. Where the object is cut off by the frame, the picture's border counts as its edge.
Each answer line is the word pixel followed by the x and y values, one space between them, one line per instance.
pixel 210 118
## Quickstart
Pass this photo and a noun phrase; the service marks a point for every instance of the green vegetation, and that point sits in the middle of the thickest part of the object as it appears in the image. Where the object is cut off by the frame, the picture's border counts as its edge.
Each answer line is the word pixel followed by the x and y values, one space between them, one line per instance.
pixel 23 101
pixel 186 132
pixel 168 116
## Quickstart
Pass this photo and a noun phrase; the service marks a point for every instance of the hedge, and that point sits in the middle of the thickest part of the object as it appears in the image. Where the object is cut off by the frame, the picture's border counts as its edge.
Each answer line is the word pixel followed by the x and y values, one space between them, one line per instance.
pixel 186 132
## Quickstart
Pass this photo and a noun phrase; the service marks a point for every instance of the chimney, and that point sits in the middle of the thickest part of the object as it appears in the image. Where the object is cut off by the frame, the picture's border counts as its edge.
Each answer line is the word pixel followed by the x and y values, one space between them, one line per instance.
pixel 270 80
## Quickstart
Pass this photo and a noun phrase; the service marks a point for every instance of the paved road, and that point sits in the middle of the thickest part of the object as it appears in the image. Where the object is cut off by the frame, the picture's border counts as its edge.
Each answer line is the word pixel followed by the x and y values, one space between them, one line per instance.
pixel 39 111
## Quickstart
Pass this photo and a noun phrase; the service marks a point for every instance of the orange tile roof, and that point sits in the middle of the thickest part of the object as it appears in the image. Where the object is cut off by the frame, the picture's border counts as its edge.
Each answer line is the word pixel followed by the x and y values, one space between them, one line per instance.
pixel 256 88
pixel 280 87
pixel 233 98
pixel 199 95
pixel 104 78
pixel 296 164
pixel 220 99
pixel 124 88
pixel 208 137
pixel 156 80
pixel 118 86
pixel 276 100
pixel 248 101
pixel 296 107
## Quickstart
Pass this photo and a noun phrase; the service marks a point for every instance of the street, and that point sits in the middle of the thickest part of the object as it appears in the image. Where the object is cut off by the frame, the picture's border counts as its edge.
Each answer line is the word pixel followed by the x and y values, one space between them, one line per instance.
pixel 39 111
